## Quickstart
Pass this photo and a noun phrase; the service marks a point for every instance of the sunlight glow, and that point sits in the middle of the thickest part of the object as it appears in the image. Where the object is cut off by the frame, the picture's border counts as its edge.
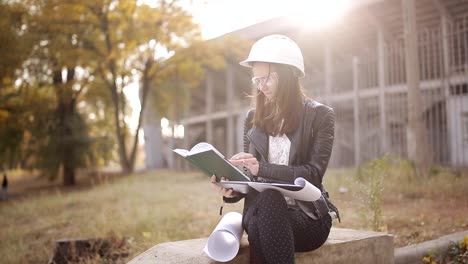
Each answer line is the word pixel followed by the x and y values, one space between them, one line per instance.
pixel 169 130
pixel 164 122
pixel 131 91
pixel 318 14
pixel 179 131
pixel 218 17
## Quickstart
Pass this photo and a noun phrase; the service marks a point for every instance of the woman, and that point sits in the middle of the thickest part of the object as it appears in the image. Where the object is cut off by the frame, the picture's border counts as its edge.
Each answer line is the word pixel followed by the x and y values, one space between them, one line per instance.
pixel 286 136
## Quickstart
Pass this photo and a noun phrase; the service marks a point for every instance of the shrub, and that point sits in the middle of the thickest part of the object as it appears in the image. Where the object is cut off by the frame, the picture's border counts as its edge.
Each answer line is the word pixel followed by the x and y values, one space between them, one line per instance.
pixel 370 177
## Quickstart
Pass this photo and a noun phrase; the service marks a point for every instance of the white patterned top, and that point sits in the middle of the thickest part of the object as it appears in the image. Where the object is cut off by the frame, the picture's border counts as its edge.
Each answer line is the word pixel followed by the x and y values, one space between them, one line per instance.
pixel 278 149
pixel 278 153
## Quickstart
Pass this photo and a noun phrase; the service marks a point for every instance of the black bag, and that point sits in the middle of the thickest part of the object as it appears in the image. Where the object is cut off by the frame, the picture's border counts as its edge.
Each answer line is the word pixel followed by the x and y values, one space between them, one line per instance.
pixel 324 205
pixel 332 209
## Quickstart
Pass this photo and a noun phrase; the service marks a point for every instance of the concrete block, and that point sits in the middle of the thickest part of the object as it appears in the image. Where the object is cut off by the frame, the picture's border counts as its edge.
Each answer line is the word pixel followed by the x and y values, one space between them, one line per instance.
pixel 413 254
pixel 342 246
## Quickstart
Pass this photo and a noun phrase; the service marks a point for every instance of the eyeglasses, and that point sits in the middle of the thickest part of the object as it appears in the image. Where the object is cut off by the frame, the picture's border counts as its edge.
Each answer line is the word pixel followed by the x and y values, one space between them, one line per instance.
pixel 261 81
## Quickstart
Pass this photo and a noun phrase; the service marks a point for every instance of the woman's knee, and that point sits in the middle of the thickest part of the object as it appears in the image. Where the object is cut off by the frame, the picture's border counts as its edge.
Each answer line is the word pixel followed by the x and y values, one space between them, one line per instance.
pixel 271 195
pixel 268 202
pixel 271 201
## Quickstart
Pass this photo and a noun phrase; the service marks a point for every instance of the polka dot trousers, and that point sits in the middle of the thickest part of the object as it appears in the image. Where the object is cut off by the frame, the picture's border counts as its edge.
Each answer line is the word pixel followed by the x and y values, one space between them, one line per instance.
pixel 275 231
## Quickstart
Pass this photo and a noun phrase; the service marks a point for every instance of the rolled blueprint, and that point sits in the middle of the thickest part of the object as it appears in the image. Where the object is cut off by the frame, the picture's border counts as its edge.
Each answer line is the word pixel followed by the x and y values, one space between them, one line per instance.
pixel 308 192
pixel 224 242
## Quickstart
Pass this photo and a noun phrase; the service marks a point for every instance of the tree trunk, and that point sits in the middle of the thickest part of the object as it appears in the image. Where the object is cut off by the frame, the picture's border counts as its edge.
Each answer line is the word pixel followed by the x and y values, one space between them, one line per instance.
pixel 69 146
pixel 68 175
pixel 143 99
pixel 124 163
pixel 116 97
pixel 65 112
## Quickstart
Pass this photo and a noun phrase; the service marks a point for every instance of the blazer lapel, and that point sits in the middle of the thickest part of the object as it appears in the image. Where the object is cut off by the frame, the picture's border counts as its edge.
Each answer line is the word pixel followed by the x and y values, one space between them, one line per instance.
pixel 295 139
pixel 259 140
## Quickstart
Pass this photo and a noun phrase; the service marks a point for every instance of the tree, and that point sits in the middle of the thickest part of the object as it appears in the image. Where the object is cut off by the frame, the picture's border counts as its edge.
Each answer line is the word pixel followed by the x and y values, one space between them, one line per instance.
pixel 132 42
pixel 11 128
pixel 14 47
pixel 87 53
pixel 58 63
pixel 178 76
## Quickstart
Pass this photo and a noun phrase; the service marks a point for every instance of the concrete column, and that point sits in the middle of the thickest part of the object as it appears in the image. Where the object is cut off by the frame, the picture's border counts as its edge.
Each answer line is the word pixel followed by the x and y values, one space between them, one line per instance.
pixel 381 80
pixel 209 98
pixel 230 111
pixel 446 55
pixel 328 71
pixel 357 125
pixel 418 150
pixel 171 141
pixel 185 140
pixel 153 137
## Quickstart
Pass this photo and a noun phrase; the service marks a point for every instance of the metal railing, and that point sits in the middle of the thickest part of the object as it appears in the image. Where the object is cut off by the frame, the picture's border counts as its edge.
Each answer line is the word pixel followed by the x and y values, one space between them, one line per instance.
pixel 444 91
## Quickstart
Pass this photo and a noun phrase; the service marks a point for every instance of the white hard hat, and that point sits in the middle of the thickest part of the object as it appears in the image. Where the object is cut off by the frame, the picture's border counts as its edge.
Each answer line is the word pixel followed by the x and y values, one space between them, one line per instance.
pixel 276 49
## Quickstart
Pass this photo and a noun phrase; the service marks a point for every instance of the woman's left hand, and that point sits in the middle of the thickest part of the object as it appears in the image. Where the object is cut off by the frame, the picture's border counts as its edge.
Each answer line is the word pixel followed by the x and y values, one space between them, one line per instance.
pixel 247 160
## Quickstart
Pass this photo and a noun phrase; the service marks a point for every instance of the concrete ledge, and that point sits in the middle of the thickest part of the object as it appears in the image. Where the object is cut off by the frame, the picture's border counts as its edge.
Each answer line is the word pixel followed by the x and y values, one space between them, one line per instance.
pixel 342 246
pixel 415 253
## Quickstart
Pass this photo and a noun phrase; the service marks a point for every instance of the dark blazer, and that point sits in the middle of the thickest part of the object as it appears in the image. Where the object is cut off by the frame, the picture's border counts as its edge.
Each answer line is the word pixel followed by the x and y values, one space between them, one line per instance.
pixel 311 147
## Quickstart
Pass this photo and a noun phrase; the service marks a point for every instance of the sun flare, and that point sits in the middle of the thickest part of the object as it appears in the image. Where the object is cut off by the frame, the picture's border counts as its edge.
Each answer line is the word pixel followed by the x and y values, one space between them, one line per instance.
pixel 222 16
pixel 318 14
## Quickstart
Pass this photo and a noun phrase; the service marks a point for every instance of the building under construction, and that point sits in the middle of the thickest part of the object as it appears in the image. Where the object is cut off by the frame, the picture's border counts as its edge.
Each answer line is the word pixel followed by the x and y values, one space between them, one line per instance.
pixel 359 66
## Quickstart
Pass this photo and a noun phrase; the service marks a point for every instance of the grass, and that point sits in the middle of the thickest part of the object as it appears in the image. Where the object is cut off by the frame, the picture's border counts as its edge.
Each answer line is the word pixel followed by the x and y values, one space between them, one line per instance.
pixel 413 209
pixel 146 209
pixel 154 207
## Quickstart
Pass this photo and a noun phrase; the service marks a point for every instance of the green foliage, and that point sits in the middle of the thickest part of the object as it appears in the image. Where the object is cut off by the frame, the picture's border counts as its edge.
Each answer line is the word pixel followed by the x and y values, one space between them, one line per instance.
pixel 108 45
pixel 430 258
pixel 128 42
pixel 404 169
pixel 14 45
pixel 185 70
pixel 56 143
pixel 457 254
pixel 19 107
pixel 11 129
pixel 370 176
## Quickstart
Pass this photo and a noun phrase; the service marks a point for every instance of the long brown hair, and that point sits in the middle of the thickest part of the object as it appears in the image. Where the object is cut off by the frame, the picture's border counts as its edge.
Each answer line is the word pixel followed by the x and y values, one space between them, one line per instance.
pixel 286 105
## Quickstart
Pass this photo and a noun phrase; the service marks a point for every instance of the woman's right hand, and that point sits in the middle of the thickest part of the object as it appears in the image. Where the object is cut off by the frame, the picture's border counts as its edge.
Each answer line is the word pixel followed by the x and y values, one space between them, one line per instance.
pixel 228 193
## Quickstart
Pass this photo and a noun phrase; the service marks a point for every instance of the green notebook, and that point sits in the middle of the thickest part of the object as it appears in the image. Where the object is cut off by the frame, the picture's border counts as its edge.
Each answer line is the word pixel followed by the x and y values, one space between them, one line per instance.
pixel 209 160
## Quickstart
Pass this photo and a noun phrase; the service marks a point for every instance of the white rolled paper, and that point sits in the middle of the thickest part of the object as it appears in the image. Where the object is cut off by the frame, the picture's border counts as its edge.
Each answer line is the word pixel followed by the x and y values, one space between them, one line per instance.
pixel 224 242
pixel 308 192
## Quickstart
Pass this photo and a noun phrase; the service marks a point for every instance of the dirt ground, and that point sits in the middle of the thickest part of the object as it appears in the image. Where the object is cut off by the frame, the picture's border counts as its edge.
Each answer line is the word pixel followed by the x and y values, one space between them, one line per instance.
pixel 412 219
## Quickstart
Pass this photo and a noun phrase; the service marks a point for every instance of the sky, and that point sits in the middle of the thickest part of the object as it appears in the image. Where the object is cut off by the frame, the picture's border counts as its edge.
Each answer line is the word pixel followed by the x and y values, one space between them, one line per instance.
pixel 218 17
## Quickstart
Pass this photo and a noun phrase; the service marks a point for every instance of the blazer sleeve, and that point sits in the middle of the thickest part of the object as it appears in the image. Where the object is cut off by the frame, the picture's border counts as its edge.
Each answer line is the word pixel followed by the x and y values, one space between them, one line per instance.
pixel 247 125
pixel 319 152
